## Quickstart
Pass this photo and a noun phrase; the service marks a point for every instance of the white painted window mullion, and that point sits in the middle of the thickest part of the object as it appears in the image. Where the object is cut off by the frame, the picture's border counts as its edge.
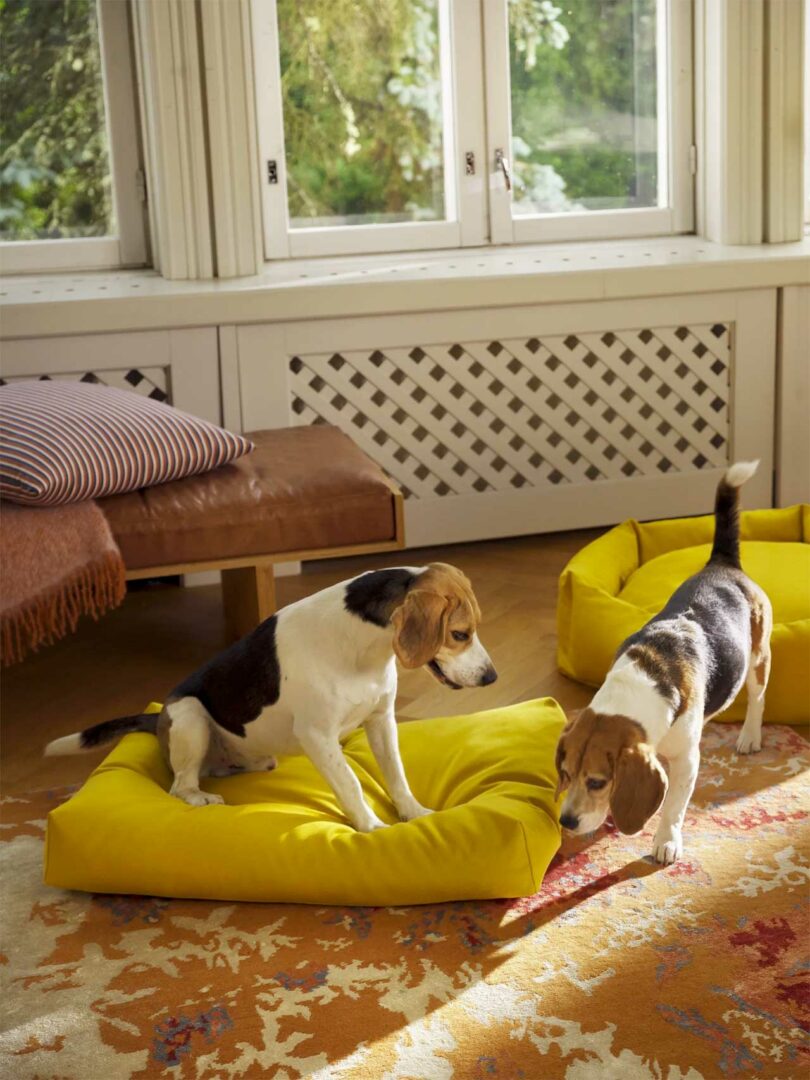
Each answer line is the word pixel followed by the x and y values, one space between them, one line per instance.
pixel 469 145
pixel 270 121
pixel 498 118
pixel 730 168
pixel 169 50
pixel 233 150
pixel 125 163
pixel 784 122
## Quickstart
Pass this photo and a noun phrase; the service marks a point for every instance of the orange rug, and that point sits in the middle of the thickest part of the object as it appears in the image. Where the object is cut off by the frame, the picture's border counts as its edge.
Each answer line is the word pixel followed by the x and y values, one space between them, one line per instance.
pixel 615 969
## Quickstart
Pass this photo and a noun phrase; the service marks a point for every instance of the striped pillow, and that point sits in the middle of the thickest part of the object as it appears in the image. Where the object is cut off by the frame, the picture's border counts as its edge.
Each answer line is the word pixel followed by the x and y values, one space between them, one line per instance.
pixel 63 442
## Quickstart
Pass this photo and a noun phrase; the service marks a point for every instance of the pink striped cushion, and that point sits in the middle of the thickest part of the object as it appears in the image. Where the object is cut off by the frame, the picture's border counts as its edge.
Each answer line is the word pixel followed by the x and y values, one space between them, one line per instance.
pixel 65 441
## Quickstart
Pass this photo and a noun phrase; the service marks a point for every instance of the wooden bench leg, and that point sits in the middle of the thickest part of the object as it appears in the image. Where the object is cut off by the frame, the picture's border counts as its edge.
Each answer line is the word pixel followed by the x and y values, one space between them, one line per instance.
pixel 249 595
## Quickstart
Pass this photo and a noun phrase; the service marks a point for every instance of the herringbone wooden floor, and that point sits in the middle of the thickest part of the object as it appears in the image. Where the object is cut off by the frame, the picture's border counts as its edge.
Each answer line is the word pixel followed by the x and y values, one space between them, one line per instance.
pixel 139 652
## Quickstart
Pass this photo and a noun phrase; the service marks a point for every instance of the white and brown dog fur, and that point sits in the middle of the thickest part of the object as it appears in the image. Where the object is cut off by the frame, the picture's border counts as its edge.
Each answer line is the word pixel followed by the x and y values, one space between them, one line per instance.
pixel 687 664
pixel 310 675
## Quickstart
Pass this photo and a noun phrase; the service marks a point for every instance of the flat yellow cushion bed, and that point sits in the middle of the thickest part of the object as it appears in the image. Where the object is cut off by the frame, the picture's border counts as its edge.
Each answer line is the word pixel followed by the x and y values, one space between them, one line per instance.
pixel 281 836
pixel 617 582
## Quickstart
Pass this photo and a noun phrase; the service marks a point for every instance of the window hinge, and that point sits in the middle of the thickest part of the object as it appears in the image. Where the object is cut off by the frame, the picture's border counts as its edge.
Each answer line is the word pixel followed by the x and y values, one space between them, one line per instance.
pixel 469 163
pixel 140 185
pixel 693 159
pixel 272 171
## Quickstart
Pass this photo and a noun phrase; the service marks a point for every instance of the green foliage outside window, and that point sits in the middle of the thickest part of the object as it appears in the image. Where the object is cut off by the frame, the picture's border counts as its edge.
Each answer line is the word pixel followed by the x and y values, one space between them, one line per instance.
pixel 583 75
pixel 362 107
pixel 362 111
pixel 54 166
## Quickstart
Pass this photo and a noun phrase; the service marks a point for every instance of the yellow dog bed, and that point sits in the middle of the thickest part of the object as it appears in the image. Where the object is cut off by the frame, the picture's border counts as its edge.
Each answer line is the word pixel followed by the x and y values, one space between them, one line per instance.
pixel 281 835
pixel 613 586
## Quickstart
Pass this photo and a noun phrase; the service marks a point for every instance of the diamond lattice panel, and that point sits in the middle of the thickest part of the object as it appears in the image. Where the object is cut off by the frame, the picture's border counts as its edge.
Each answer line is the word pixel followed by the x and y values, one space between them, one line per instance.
pixel 151 382
pixel 498 415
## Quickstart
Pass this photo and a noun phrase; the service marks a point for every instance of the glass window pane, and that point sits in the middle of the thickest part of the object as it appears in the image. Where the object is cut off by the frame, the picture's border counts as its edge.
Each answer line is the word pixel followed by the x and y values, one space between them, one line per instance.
pixel 54 162
pixel 585 125
pixel 362 93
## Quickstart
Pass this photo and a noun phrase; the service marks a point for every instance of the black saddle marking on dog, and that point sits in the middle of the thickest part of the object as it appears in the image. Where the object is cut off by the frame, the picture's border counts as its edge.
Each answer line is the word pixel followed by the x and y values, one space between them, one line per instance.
pixel 716 599
pixel 373 596
pixel 236 684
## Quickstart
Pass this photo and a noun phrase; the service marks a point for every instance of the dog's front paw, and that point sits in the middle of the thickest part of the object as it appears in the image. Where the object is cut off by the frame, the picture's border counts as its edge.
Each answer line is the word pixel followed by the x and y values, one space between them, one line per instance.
pixel 413 810
pixel 748 743
pixel 195 797
pixel 369 823
pixel 667 846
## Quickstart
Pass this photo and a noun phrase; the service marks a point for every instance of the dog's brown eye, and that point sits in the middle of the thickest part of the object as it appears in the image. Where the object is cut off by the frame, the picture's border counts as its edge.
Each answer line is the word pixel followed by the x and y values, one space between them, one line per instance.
pixel 595 785
pixel 460 635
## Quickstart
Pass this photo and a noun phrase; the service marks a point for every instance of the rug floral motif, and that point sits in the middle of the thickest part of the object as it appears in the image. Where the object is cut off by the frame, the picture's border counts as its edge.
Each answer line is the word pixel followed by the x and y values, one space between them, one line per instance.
pixel 616 968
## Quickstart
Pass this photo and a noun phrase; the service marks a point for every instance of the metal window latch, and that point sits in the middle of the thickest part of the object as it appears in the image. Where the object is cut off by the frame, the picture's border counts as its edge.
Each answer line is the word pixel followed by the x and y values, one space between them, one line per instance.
pixel 469 163
pixel 502 163
pixel 272 171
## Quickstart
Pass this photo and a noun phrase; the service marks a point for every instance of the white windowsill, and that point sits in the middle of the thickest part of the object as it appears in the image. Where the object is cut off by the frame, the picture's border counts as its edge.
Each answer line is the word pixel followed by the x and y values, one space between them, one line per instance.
pixel 107 301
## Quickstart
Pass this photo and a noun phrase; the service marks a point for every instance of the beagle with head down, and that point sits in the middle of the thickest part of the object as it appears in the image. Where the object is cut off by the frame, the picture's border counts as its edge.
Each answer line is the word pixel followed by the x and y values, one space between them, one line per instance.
pixel 684 666
pixel 309 676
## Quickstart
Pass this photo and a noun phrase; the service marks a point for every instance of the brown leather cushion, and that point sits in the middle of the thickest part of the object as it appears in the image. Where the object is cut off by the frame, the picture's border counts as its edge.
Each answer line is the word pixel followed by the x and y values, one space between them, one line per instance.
pixel 301 488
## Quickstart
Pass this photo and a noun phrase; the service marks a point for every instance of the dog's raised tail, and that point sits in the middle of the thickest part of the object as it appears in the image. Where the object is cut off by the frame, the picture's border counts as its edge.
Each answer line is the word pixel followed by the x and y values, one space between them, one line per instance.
pixel 101 733
pixel 726 512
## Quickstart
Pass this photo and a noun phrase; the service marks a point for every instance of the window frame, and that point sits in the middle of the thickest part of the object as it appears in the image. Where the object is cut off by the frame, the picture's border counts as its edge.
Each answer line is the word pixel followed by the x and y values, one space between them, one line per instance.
pixel 476 42
pixel 128 246
pixel 675 80
pixel 460 45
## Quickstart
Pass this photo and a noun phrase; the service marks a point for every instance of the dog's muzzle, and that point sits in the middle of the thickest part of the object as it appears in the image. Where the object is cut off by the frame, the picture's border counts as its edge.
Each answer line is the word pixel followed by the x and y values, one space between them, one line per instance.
pixel 440 675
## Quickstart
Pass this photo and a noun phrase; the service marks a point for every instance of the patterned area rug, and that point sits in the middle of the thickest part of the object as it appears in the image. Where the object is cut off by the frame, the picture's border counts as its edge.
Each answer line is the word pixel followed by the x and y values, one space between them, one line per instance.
pixel 615 969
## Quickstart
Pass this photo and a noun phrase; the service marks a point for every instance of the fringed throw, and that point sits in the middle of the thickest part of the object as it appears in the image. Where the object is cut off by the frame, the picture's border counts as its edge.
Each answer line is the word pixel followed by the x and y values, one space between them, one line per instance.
pixel 56 564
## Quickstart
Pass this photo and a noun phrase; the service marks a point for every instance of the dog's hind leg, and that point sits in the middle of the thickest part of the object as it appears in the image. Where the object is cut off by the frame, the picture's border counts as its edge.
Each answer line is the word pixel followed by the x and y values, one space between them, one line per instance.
pixel 756 679
pixel 756 683
pixel 189 736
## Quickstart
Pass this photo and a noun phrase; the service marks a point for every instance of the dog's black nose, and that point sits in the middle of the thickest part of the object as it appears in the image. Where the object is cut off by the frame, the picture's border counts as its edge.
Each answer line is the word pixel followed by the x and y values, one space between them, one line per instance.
pixel 568 821
pixel 489 677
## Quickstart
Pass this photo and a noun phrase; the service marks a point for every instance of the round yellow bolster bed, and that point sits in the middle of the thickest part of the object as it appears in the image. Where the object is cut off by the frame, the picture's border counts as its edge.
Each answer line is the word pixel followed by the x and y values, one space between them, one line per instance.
pixel 281 835
pixel 616 583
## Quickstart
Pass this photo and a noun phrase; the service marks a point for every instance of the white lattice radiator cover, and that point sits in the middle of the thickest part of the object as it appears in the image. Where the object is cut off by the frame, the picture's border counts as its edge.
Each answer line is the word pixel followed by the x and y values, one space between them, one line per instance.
pixel 484 416
pixel 151 382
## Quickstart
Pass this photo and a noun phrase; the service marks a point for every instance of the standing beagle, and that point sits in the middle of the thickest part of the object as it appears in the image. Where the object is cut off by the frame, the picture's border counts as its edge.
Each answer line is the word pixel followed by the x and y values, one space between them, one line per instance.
pixel 684 666
pixel 307 677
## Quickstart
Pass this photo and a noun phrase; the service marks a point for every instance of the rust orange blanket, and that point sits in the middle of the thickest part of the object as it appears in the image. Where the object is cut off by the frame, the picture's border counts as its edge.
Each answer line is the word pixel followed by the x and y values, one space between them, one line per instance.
pixel 57 564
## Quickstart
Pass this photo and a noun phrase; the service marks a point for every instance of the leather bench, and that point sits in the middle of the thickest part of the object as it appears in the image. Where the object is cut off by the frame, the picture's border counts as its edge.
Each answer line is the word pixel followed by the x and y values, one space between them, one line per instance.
pixel 303 493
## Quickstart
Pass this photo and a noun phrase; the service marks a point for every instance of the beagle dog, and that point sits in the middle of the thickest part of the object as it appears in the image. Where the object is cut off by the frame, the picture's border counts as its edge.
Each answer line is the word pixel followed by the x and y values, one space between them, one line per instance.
pixel 685 665
pixel 309 676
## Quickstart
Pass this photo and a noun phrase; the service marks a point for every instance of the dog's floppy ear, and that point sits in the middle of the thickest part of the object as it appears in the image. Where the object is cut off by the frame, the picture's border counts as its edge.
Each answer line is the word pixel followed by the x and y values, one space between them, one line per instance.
pixel 420 624
pixel 639 787
pixel 559 757
pixel 450 580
